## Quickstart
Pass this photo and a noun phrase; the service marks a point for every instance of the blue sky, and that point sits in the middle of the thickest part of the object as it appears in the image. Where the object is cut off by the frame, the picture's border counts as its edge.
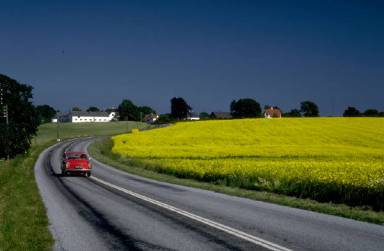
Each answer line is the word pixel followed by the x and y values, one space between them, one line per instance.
pixel 82 53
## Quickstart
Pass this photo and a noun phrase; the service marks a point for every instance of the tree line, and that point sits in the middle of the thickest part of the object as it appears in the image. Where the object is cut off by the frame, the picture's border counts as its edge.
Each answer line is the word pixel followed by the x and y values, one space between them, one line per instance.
pixel 353 112
pixel 20 118
pixel 180 110
pixel 250 108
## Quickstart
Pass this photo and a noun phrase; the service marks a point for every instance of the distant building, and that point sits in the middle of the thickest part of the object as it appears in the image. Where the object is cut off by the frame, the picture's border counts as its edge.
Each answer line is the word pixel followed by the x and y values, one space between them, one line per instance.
pixel 272 112
pixel 151 118
pixel 221 115
pixel 81 117
pixel 115 110
pixel 193 116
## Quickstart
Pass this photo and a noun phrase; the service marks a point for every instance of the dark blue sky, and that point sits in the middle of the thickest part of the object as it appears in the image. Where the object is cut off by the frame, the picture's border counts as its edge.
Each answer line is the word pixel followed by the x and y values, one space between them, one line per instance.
pixel 82 53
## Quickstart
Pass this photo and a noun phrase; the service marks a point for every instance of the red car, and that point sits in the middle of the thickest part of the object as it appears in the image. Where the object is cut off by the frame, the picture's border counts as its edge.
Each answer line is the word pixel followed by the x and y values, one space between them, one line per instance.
pixel 76 162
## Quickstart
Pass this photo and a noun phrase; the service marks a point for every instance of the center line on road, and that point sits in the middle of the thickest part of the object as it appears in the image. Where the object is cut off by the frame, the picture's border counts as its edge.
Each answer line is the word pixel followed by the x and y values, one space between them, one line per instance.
pixel 232 231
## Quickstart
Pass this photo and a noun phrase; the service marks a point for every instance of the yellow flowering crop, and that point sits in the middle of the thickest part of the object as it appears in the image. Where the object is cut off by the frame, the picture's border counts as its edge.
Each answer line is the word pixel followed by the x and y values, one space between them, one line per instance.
pixel 328 159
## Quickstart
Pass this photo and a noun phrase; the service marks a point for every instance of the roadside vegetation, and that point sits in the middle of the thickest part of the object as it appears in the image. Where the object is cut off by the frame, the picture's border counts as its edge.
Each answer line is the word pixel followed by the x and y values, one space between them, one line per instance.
pixel 332 160
pixel 23 220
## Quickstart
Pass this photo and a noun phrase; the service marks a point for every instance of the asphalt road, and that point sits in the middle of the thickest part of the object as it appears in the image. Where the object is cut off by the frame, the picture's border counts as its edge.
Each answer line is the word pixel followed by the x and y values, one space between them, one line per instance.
pixel 114 210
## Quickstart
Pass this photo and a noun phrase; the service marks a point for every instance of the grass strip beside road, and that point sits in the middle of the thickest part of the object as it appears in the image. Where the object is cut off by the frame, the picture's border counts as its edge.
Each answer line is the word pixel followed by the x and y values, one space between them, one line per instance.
pixel 102 151
pixel 23 220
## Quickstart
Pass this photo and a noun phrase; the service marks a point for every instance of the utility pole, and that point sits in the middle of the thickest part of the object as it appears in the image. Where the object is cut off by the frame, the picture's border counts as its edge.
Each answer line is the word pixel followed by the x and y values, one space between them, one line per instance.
pixel 5 111
pixel 5 115
pixel 1 95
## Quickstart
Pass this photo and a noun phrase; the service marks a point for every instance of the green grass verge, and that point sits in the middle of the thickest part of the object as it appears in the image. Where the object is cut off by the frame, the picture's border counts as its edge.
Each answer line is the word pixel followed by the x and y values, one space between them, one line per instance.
pixel 23 220
pixel 101 150
pixel 48 132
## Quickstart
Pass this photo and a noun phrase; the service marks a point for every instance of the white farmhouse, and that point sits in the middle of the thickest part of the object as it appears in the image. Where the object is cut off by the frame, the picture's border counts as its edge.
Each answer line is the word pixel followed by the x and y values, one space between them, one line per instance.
pixel 81 117
pixel 193 116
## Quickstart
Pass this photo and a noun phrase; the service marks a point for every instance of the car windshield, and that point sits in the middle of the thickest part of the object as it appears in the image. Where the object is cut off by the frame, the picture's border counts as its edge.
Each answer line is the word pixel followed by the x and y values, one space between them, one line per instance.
pixel 76 156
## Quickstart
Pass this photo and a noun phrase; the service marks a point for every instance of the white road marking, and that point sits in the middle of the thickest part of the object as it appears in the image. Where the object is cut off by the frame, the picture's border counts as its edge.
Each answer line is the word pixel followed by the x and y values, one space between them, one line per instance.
pixel 242 235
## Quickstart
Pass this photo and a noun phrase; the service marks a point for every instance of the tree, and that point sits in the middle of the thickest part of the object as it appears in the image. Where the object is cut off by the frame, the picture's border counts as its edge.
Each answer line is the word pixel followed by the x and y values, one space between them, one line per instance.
pixel 128 111
pixel 93 109
pixel 309 109
pixel 76 109
pixel 381 114
pixel 145 110
pixel 371 113
pixel 204 115
pixel 163 119
pixel 180 108
pixel 294 113
pixel 45 113
pixel 245 108
pixel 351 112
pixel 15 137
pixel 111 109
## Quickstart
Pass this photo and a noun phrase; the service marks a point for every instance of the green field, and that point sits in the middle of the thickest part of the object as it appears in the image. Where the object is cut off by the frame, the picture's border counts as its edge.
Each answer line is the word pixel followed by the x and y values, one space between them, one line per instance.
pixel 23 221
pixel 336 160
pixel 48 132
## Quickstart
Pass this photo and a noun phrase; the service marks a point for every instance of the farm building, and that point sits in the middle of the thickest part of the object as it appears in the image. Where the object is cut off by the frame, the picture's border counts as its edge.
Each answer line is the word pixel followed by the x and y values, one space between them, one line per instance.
pixel 193 116
pixel 272 112
pixel 151 118
pixel 81 117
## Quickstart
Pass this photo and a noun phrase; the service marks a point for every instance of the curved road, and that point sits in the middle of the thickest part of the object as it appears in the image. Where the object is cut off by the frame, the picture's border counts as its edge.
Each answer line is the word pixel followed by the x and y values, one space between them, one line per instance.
pixel 113 210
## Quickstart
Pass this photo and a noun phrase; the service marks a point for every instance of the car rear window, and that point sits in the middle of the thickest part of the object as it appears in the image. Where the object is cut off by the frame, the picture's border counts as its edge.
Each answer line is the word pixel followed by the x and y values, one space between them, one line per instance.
pixel 77 156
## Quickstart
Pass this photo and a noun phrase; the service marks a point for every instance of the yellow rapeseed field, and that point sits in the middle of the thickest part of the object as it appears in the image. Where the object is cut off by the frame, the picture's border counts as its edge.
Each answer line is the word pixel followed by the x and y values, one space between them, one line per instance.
pixel 327 159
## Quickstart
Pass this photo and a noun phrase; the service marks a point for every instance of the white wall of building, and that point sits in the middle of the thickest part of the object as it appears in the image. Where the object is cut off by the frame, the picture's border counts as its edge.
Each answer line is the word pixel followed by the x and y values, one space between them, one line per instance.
pixel 82 119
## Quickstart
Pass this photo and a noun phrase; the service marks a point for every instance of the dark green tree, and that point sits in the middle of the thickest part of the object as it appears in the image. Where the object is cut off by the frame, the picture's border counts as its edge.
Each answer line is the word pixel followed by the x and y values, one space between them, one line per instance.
pixel 146 110
pixel 245 108
pixel 15 137
pixel 180 108
pixel 351 112
pixel 294 113
pixel 128 111
pixel 204 115
pixel 45 113
pixel 93 109
pixel 309 109
pixel 76 109
pixel 164 119
pixel 371 113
